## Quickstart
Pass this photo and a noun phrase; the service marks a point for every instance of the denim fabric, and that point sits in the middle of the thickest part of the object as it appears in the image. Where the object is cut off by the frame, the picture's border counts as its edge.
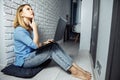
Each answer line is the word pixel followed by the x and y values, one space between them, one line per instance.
pixel 54 52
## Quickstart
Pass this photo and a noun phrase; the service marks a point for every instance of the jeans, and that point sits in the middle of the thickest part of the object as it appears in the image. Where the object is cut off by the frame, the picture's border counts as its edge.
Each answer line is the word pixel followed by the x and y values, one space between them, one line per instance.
pixel 50 51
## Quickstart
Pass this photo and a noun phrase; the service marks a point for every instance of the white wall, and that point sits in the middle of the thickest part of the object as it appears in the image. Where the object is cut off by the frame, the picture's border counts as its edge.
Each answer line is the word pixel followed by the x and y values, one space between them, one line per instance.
pixel 104 36
pixel 2 44
pixel 86 22
pixel 103 33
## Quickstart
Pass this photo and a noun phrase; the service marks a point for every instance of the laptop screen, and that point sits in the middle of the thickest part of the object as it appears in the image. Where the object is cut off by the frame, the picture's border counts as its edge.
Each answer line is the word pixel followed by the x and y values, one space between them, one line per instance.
pixel 60 29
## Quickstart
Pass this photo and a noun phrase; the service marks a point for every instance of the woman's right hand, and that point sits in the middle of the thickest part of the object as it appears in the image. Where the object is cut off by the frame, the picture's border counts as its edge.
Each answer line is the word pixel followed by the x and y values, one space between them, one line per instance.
pixel 32 24
pixel 35 32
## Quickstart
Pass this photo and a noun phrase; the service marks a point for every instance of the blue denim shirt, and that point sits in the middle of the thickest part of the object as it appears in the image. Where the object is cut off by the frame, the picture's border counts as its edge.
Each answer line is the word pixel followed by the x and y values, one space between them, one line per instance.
pixel 24 45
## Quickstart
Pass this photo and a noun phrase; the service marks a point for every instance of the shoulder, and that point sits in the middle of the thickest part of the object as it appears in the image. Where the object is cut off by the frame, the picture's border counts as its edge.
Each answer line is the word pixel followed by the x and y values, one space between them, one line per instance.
pixel 20 29
pixel 20 33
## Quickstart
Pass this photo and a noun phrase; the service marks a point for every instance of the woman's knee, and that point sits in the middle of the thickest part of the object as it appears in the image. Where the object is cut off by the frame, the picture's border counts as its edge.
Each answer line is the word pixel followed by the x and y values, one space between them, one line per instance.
pixel 55 45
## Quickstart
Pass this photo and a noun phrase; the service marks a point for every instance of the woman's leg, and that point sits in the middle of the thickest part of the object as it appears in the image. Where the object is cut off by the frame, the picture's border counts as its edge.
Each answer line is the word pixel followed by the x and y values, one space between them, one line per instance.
pixel 51 51
pixel 60 57
pixel 36 59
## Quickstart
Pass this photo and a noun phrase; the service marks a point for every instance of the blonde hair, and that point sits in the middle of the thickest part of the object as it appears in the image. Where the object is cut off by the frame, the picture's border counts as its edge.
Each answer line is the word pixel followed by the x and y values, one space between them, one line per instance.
pixel 18 18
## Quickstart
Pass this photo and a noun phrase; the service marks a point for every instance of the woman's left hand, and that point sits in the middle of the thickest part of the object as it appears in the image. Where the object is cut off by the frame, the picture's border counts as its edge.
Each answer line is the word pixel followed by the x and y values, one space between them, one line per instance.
pixel 48 41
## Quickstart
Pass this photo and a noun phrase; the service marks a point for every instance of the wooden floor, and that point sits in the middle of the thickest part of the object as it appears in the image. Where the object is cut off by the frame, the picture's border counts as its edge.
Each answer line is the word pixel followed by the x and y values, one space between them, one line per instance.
pixel 54 72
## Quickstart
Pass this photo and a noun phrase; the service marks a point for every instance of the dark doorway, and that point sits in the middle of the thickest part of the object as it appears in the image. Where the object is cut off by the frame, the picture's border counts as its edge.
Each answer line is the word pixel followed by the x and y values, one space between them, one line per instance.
pixel 73 11
pixel 94 32
pixel 113 65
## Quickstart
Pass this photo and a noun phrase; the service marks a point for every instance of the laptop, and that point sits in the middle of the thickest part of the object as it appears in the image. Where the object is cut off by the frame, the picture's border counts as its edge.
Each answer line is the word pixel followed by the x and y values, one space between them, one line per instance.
pixel 59 33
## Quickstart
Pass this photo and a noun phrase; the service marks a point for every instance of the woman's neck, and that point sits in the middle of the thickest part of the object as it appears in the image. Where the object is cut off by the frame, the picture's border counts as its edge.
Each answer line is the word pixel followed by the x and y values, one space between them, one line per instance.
pixel 27 21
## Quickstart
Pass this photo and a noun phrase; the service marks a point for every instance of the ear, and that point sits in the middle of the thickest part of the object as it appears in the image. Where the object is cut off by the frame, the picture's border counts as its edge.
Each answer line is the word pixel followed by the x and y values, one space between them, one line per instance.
pixel 22 15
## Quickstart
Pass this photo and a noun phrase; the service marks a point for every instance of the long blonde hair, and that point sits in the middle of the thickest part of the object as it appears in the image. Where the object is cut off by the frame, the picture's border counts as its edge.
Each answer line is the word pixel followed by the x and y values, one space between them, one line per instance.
pixel 18 18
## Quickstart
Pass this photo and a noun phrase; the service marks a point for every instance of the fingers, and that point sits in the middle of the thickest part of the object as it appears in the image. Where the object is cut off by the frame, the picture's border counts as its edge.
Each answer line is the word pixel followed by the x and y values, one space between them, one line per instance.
pixel 46 42
pixel 50 40
pixel 29 23
pixel 32 24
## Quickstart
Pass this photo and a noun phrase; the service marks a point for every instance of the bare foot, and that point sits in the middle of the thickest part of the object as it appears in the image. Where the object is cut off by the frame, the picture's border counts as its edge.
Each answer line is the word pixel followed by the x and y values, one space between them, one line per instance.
pixel 81 69
pixel 80 74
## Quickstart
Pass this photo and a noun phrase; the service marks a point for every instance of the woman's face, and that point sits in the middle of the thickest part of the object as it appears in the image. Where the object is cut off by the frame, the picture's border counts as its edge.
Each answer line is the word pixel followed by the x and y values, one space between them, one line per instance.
pixel 27 12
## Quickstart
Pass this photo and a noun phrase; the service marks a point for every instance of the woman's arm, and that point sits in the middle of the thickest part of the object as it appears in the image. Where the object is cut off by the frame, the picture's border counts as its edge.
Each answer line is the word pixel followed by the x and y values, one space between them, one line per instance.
pixel 35 33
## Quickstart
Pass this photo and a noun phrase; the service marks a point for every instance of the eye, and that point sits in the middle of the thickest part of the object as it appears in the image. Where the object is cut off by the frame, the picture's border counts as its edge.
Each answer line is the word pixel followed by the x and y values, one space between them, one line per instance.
pixel 28 8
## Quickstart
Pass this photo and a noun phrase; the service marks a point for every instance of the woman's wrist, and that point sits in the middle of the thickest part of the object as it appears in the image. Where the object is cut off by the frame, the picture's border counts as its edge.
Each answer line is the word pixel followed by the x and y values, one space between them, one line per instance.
pixel 34 28
pixel 42 44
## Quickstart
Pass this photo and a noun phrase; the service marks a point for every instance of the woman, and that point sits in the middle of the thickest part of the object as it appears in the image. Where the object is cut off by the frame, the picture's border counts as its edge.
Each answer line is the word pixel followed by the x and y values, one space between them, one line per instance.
pixel 29 51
